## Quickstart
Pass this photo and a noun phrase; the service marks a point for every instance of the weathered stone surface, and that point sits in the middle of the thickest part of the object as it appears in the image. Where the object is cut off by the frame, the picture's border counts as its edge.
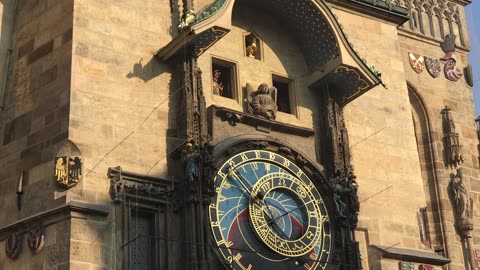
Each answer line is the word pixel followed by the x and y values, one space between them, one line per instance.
pixel 40 52
pixel 17 128
pixel 84 71
pixel 44 78
pixel 25 49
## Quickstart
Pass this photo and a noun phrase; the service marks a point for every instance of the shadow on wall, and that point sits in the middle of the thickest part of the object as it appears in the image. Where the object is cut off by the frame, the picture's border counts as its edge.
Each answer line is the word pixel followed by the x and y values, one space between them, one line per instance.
pixel 154 67
pixel 150 70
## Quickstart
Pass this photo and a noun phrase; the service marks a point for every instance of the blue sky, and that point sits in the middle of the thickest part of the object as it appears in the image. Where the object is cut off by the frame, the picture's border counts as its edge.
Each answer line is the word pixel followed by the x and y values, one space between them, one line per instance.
pixel 473 23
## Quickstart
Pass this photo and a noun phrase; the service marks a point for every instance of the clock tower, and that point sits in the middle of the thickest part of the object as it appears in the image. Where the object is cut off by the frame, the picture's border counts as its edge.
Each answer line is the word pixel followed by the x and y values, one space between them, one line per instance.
pixel 265 189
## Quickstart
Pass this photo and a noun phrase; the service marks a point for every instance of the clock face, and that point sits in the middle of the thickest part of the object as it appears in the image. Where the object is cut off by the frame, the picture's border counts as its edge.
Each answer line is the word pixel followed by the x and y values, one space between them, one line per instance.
pixel 268 214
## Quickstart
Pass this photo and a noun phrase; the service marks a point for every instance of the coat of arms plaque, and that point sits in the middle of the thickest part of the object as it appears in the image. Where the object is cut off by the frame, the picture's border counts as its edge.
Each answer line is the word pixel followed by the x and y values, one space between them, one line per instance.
pixel 433 66
pixel 36 238
pixel 417 62
pixel 13 245
pixel 452 72
pixel 68 171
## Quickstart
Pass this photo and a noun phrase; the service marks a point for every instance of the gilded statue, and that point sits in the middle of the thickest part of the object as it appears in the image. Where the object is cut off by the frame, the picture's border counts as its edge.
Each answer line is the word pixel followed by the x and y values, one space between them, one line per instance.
pixel 187 20
pixel 251 48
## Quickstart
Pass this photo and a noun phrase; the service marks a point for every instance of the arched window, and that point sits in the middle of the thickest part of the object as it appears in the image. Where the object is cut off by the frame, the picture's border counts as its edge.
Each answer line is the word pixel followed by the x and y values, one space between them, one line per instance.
pixel 434 232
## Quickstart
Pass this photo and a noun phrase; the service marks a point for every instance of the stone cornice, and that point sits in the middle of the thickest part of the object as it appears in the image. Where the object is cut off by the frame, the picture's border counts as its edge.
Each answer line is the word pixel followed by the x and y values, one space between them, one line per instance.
pixel 462 2
pixel 377 9
pixel 429 40
pixel 72 206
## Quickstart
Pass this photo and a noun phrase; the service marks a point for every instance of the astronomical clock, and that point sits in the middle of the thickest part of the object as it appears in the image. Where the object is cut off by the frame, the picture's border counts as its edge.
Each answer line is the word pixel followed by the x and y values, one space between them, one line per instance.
pixel 270 210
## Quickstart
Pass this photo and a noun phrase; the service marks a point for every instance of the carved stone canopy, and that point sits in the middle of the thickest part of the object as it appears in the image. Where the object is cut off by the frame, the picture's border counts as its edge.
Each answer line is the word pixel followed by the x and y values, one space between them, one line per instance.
pixel 68 166
pixel 127 186
pixel 330 57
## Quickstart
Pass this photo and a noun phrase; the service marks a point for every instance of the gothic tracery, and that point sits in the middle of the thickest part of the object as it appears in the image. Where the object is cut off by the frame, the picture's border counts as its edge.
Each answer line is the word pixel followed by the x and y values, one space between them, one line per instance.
pixel 435 18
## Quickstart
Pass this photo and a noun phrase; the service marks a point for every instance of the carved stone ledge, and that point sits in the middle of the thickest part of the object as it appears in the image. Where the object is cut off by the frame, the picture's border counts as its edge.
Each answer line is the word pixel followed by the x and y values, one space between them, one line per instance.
pixel 259 123
pixel 64 210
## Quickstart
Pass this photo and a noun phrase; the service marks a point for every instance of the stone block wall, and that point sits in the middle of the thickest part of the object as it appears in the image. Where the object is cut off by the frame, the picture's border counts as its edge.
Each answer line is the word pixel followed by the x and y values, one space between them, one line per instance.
pixel 34 121
pixel 122 96
pixel 382 143
pixel 122 111
pixel 436 93
pixel 84 71
pixel 54 254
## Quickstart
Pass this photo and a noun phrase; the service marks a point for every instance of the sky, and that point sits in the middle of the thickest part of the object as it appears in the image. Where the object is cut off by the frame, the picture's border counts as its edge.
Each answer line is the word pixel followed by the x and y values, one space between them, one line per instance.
pixel 473 22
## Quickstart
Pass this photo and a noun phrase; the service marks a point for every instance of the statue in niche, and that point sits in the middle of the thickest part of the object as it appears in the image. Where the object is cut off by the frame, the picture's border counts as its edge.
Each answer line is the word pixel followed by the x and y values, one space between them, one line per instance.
pixel 451 140
pixel 463 203
pixel 217 85
pixel 191 160
pixel 345 195
pixel 252 47
pixel 338 194
pixel 262 102
pixel 208 169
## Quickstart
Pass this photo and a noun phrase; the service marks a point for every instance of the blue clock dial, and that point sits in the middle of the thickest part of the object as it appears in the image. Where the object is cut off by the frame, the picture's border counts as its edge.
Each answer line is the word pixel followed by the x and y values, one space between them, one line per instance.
pixel 268 213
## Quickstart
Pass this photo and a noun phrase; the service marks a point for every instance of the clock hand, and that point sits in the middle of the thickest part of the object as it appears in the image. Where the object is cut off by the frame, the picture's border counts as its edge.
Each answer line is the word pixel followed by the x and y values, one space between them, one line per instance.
pixel 245 184
pixel 288 212
pixel 275 225
pixel 233 173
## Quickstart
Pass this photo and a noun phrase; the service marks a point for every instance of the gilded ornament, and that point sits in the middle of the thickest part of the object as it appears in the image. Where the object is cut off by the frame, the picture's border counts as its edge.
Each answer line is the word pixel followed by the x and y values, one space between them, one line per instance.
pixel 68 171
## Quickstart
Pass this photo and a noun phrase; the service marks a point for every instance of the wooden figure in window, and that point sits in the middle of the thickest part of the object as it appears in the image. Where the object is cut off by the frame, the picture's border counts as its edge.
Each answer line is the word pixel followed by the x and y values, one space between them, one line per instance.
pixel 252 46
pixel 217 85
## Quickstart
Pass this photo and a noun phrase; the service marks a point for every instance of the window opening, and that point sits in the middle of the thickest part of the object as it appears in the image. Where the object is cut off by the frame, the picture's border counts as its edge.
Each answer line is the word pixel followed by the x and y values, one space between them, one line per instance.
pixel 284 93
pixel 224 78
pixel 253 46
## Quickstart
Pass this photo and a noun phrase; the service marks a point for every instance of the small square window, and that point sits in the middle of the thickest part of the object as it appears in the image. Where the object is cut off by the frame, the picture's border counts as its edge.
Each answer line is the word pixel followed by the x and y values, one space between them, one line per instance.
pixel 285 95
pixel 224 78
pixel 253 46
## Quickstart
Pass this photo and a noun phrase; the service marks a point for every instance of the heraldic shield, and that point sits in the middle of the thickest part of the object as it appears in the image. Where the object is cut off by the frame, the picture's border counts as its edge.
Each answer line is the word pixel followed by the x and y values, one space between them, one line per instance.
pixel 36 238
pixel 433 66
pixel 452 72
pixel 13 245
pixel 68 171
pixel 416 62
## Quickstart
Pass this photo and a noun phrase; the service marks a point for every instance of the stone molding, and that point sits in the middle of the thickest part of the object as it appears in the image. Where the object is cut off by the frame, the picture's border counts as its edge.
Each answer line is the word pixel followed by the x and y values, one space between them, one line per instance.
pixel 410 255
pixel 434 19
pixel 127 185
pixel 233 117
pixel 72 206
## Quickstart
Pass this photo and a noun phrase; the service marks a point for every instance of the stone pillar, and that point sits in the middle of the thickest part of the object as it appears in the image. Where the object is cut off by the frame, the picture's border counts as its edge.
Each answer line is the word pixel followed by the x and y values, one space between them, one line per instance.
pixel 7 12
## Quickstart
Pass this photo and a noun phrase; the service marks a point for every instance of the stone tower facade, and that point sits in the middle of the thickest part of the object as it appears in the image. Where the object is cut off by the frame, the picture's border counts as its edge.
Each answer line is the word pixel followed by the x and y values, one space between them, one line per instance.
pixel 123 124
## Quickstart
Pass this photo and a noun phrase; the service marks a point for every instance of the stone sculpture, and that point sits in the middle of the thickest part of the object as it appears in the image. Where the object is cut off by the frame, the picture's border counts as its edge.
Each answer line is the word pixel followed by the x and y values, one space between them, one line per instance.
pixel 263 101
pixel 187 20
pixel 463 203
